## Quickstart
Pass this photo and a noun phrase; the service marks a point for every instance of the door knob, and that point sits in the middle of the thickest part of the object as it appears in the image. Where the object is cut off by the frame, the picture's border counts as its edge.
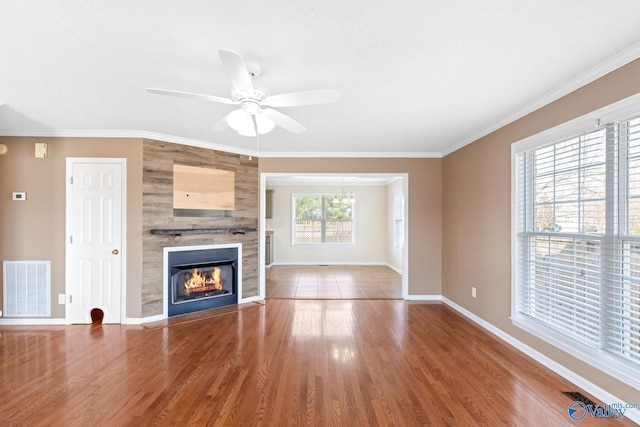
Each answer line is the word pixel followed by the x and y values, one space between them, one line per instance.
pixel 115 252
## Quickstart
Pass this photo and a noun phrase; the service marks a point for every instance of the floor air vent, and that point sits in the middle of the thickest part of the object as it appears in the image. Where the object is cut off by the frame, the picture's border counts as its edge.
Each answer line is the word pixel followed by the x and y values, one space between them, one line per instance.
pixel 579 397
pixel 27 288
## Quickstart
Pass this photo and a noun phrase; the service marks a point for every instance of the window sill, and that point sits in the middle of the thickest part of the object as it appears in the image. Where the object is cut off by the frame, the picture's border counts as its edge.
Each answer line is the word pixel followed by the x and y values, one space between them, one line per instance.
pixel 600 359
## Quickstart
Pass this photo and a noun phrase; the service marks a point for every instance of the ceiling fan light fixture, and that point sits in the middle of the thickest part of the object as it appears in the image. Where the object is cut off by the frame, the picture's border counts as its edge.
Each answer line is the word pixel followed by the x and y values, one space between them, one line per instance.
pixel 240 121
pixel 247 132
pixel 264 123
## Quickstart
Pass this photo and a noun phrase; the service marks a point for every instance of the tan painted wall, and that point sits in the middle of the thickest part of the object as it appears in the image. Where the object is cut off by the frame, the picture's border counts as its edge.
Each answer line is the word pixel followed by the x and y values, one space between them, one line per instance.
pixel 425 206
pixel 477 209
pixel 35 229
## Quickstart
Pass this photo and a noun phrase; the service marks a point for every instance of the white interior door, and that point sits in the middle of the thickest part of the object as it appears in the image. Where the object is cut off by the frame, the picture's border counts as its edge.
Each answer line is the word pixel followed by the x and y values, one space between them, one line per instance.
pixel 95 245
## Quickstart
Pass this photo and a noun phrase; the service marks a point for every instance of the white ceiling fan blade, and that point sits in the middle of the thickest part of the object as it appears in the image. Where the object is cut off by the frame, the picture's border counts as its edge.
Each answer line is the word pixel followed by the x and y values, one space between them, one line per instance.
pixel 236 70
pixel 293 99
pixel 284 121
pixel 191 95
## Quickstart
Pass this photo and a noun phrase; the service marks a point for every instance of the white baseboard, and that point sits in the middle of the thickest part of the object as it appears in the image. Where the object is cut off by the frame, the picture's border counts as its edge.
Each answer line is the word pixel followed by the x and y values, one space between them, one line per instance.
pixel 141 320
pixel 394 268
pixel 251 299
pixel 586 385
pixel 31 321
pixel 423 297
pixel 320 263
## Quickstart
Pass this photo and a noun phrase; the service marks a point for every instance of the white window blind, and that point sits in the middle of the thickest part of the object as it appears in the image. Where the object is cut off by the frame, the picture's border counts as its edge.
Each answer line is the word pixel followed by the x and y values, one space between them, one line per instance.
pixel 578 241
pixel 623 297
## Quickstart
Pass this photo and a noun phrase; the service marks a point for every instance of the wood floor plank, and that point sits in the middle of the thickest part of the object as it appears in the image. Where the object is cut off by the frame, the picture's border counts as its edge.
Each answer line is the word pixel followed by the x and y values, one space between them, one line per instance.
pixel 282 363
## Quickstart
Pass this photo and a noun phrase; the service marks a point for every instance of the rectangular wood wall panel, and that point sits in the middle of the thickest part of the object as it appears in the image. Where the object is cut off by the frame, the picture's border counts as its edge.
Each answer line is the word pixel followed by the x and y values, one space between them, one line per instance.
pixel 203 188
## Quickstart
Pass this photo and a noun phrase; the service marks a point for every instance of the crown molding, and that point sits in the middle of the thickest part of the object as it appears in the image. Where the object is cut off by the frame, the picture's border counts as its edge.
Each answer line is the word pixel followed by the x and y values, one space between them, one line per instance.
pixel 613 63
pixel 362 155
pixel 139 134
pixel 197 143
pixel 70 133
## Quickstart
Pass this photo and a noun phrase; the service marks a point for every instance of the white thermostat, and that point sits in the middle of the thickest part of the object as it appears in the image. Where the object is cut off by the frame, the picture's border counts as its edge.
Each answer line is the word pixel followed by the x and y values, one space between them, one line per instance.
pixel 19 195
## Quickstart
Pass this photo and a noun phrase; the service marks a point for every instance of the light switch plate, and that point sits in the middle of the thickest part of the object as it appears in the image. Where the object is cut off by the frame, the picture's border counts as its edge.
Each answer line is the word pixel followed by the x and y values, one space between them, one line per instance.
pixel 41 150
pixel 19 195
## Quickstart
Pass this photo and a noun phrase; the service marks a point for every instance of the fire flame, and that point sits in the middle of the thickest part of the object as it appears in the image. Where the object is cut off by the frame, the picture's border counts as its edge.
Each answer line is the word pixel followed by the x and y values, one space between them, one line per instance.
pixel 198 281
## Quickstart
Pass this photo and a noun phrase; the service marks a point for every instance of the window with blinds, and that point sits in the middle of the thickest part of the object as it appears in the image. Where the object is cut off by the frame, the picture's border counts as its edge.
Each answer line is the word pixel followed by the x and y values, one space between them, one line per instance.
pixel 578 243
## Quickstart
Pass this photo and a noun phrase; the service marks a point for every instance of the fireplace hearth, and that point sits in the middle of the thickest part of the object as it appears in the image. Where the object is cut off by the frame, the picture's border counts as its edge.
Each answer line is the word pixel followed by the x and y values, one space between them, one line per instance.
pixel 201 277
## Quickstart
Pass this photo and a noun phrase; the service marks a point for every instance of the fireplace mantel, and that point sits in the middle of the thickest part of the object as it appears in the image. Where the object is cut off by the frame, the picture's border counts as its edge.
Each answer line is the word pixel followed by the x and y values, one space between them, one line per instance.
pixel 217 230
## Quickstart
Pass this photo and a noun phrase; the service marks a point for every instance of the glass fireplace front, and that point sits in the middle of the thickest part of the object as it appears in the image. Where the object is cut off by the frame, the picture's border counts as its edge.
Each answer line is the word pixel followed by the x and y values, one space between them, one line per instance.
pixel 210 280
pixel 201 279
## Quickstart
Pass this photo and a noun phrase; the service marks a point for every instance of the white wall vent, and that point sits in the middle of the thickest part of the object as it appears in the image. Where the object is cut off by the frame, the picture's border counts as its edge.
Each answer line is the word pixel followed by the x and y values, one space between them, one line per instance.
pixel 26 288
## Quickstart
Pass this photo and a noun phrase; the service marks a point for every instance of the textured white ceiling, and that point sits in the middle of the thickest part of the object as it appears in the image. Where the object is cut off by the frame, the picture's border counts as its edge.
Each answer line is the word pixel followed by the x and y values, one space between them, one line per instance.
pixel 416 77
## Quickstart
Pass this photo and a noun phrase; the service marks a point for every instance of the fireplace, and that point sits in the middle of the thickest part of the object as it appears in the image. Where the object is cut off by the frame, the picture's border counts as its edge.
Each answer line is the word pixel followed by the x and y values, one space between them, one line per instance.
pixel 201 277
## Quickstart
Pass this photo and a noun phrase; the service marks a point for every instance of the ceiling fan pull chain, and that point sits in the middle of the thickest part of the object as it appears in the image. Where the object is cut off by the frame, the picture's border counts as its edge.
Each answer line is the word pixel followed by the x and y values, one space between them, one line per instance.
pixel 255 127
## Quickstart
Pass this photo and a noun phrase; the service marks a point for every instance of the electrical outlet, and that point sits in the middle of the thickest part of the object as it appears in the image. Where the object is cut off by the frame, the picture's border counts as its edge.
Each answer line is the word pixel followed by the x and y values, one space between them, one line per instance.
pixel 473 291
pixel 62 298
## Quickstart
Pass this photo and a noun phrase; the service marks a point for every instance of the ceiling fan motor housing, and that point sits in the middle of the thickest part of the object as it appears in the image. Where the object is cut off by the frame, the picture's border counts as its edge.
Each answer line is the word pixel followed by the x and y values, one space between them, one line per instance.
pixel 249 100
pixel 253 68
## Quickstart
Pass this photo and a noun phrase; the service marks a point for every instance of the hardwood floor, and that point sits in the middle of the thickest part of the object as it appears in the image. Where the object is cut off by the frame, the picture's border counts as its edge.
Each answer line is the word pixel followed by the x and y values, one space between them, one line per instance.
pixel 282 363
pixel 332 282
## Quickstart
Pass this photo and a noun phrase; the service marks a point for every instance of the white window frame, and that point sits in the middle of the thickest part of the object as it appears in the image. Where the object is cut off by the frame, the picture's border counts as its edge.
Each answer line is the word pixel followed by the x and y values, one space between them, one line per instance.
pixel 628 373
pixel 322 244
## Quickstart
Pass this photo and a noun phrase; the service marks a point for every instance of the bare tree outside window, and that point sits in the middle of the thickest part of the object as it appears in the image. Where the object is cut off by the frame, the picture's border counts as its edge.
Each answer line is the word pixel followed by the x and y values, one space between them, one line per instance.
pixel 570 185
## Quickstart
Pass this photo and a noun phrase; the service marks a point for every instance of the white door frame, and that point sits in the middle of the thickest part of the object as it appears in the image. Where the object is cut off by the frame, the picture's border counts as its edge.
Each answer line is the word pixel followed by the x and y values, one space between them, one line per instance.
pixel 123 252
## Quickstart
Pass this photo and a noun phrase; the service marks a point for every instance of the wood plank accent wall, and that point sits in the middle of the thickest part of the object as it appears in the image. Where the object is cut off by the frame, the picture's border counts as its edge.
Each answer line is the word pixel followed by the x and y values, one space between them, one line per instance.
pixel 157 204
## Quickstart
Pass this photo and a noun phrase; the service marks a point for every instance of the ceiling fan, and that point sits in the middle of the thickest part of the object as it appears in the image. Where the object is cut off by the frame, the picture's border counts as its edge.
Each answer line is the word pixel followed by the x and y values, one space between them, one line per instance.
pixel 256 114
